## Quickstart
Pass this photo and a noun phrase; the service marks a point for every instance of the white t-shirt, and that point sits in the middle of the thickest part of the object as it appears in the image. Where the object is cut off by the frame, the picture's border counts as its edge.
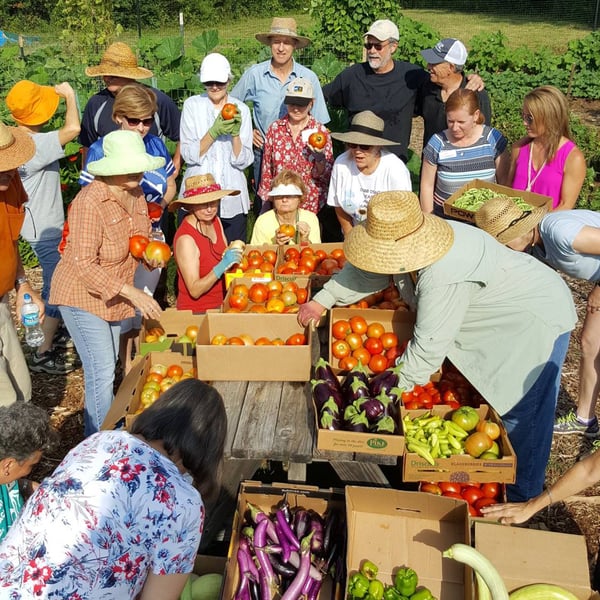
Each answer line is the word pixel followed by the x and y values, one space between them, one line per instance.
pixel 351 190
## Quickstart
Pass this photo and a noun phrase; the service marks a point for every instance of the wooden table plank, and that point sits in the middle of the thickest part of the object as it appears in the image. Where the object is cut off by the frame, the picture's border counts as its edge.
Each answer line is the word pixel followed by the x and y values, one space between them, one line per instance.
pixel 233 393
pixel 359 472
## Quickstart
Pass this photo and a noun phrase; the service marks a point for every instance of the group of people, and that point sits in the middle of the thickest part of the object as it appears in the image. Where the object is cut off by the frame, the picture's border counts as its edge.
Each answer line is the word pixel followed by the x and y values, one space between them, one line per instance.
pixel 492 306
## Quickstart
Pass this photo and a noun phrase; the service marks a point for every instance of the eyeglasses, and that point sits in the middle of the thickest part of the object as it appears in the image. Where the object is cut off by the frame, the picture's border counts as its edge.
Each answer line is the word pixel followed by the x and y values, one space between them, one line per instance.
pixel 359 146
pixel 528 119
pixel 133 122
pixel 217 84
pixel 525 214
pixel 379 46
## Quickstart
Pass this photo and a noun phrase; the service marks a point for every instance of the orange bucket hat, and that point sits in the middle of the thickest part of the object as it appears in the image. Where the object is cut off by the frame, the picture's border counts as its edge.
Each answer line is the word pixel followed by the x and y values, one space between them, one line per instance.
pixel 30 103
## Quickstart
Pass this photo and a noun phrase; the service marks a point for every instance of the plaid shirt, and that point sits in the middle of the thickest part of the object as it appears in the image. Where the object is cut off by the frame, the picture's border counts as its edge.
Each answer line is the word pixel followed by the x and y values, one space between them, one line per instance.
pixel 96 262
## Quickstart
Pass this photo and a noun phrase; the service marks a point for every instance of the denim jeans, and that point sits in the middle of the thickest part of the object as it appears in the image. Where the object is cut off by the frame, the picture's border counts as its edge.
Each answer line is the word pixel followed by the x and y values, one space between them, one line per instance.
pixel 529 425
pixel 48 256
pixel 97 343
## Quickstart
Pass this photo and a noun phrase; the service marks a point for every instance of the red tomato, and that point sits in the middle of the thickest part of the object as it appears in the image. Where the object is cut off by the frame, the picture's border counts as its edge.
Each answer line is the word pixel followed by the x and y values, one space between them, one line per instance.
pixel 155 210
pixel 362 354
pixel 479 504
pixel 413 405
pixel 450 396
pixel 453 495
pixel 229 111
pixel 426 400
pixel 174 371
pixel 317 140
pixel 389 340
pixel 375 330
pixel 473 511
pixel 340 349
pixel 296 339
pixel 471 494
pixel 354 340
pixel 450 486
pixel 348 363
pixel 374 346
pixel 340 329
pixel 270 256
pixel 238 301
pixel 392 354
pixel 358 325
pixel 137 245
pixel 302 294
pixel 491 490
pixel 430 488
pixel 287 229
pixel 378 363
pixel 258 292
pixel 157 251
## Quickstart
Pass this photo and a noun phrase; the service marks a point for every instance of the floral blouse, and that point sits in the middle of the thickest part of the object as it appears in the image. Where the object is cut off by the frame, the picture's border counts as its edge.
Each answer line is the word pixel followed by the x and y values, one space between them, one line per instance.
pixel 281 152
pixel 114 511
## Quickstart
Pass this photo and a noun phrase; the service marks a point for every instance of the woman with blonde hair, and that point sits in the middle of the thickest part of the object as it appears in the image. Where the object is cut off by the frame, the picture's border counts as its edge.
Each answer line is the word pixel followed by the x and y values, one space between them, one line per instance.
pixel 287 193
pixel 546 160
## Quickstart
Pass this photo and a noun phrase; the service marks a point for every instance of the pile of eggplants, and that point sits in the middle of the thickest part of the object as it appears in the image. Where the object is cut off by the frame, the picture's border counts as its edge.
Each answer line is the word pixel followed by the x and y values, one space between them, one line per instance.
pixel 287 555
pixel 360 402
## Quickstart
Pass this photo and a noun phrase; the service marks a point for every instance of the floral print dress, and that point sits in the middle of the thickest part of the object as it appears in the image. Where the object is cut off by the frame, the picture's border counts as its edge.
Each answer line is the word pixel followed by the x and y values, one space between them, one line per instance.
pixel 114 511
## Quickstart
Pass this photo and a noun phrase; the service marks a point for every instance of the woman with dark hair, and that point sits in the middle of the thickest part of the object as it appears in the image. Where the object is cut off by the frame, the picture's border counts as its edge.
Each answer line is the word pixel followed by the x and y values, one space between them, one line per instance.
pixel 122 515
pixel 466 150
pixel 25 433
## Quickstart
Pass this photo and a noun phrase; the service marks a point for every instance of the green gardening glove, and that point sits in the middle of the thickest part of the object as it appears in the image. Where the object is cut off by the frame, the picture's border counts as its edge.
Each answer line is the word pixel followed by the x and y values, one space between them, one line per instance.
pixel 232 126
pixel 219 127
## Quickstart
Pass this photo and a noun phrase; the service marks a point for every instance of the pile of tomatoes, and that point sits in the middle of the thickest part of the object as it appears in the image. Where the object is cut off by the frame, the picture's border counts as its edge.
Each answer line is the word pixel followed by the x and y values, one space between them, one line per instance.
pixel 257 261
pixel 220 339
pixel 159 379
pixel 354 340
pixel 476 495
pixel 307 260
pixel 269 297
pixel 388 299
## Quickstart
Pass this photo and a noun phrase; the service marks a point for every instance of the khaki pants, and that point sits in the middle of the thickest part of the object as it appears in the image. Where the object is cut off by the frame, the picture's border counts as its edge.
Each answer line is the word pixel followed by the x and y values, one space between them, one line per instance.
pixel 15 381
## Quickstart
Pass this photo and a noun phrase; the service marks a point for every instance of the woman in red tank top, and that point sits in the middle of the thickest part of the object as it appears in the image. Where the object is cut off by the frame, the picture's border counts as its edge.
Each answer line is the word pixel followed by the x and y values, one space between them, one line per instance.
pixel 200 246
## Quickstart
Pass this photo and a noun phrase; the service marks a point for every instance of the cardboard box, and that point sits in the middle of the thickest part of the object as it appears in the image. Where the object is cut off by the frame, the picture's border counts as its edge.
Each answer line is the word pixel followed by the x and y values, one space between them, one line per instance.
pixel 396 529
pixel 266 498
pixel 303 282
pixel 469 216
pixel 252 363
pixel 527 556
pixel 127 399
pixel 174 322
pixel 462 467
pixel 400 322
pixel 317 279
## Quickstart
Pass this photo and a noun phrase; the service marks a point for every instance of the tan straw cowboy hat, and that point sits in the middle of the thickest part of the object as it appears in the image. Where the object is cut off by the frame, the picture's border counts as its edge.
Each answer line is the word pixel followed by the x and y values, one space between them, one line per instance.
pixel 505 221
pixel 16 147
pixel 283 26
pixel 367 129
pixel 201 189
pixel 119 61
pixel 397 236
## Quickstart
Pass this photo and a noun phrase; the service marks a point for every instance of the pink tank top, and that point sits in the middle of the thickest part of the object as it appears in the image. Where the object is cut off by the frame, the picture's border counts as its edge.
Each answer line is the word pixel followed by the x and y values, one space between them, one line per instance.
pixel 210 255
pixel 549 180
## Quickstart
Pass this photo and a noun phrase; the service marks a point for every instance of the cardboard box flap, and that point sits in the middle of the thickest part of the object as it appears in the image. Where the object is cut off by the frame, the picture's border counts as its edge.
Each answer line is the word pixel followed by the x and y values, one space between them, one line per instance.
pixel 535 557
pixel 398 529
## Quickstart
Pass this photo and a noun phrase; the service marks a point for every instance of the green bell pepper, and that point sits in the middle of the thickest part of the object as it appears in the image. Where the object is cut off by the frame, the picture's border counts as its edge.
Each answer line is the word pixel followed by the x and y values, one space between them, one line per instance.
pixel 358 586
pixel 369 569
pixel 422 594
pixel 406 581
pixel 391 593
pixel 376 590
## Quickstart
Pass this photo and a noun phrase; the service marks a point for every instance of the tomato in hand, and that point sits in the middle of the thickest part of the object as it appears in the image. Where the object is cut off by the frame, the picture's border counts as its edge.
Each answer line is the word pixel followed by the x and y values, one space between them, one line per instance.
pixel 317 140
pixel 157 251
pixel 287 229
pixel 155 210
pixel 229 111
pixel 137 245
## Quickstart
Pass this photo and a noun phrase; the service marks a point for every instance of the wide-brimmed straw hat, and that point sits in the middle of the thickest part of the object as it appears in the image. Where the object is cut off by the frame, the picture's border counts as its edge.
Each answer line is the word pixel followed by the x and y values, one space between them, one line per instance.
pixel 16 147
pixel 397 237
pixel 283 26
pixel 201 189
pixel 119 61
pixel 124 153
pixel 30 103
pixel 505 221
pixel 367 129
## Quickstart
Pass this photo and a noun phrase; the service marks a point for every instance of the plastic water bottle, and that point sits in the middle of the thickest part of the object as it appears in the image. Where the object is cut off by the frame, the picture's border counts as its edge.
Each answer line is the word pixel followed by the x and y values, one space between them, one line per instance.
pixel 30 317
pixel 157 234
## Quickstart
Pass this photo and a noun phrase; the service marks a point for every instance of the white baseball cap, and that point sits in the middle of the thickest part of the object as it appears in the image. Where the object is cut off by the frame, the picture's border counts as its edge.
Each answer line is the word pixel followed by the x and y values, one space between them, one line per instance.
pixel 215 67
pixel 383 29
pixel 447 50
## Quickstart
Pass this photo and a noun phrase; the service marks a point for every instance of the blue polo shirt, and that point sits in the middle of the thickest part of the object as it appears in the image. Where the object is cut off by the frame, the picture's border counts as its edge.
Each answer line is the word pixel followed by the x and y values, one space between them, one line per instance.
pixel 260 85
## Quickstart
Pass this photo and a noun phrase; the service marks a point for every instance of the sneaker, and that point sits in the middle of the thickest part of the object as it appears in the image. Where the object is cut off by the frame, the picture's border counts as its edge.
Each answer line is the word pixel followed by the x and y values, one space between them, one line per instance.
pixel 570 425
pixel 50 362
pixel 63 340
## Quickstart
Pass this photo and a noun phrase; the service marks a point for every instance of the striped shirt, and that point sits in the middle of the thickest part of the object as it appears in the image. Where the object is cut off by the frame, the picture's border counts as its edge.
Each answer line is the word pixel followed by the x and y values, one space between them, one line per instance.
pixel 457 165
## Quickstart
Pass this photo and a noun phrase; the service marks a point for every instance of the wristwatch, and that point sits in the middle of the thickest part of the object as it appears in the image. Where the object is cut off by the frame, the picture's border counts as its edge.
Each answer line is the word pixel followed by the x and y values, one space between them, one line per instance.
pixel 19 281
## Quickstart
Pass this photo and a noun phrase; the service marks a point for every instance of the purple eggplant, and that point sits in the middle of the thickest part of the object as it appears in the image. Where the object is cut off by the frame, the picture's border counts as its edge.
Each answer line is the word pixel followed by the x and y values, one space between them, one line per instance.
pixel 284 506
pixel 288 534
pixel 316 528
pixel 384 381
pixel 322 391
pixel 324 371
pixel 358 391
pixel 359 372
pixel 330 416
pixel 295 589
pixel 268 581
pixel 373 408
pixel 301 523
pixel 355 420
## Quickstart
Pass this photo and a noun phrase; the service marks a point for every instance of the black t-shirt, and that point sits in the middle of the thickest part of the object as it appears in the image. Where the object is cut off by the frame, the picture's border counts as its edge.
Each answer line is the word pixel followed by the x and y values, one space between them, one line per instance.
pixel 433 110
pixel 391 96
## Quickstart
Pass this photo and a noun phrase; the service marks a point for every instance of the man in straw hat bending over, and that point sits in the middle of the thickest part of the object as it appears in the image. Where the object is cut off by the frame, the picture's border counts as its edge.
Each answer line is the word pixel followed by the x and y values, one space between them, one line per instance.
pixel 265 84
pixel 118 67
pixel 502 318
pixel 16 148
pixel 567 240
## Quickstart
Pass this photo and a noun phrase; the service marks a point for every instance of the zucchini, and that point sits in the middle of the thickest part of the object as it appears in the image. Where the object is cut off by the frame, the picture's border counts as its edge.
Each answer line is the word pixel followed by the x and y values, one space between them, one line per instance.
pixel 542 591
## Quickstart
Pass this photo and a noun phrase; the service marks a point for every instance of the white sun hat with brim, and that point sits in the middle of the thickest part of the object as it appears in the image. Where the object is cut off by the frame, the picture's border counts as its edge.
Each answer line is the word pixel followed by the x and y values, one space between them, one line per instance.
pixel 124 153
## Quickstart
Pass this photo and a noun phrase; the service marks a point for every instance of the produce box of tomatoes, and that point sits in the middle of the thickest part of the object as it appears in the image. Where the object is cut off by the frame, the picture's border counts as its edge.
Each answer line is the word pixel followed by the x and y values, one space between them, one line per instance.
pixel 462 444
pixel 136 391
pixel 388 299
pixel 373 337
pixel 175 330
pixel 319 261
pixel 283 353
pixel 476 495
pixel 272 297
pixel 258 263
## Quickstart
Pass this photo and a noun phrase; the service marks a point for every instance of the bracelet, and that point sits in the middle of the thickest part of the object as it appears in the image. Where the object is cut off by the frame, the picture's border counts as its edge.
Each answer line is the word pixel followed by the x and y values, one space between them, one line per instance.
pixel 19 281
pixel 549 495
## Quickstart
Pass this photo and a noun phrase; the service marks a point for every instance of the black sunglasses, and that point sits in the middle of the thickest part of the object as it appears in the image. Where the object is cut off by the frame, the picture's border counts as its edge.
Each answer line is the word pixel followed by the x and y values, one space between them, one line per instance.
pixel 379 46
pixel 527 119
pixel 218 84
pixel 133 122
pixel 360 146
